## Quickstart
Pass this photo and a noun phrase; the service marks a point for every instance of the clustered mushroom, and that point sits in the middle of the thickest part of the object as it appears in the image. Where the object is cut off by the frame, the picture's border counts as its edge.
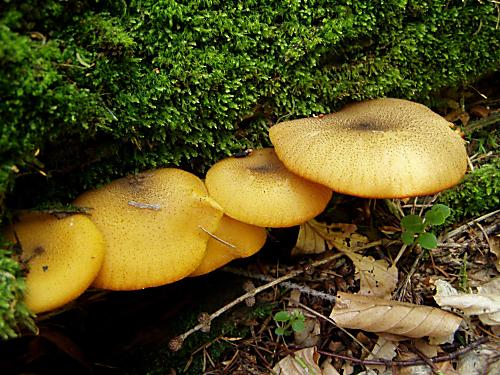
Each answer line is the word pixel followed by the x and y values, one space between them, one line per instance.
pixel 160 226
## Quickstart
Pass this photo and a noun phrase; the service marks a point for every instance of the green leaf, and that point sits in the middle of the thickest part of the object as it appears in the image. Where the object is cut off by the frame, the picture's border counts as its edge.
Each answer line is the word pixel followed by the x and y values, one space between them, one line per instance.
pixel 280 331
pixel 437 214
pixel 427 240
pixel 298 325
pixel 408 237
pixel 412 223
pixel 282 316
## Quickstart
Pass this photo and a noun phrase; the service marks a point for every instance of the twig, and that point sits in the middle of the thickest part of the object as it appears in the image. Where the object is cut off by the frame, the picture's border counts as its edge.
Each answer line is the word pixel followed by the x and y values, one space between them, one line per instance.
pixel 462 228
pixel 402 287
pixel 303 288
pixel 487 121
pixel 331 321
pixel 176 343
pixel 217 238
pixel 411 362
pixel 486 237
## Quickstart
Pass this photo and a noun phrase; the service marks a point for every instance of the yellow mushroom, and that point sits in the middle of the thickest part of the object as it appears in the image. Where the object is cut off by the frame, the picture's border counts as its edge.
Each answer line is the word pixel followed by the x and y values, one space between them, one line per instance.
pixel 259 190
pixel 155 225
pixel 383 148
pixel 232 240
pixel 63 257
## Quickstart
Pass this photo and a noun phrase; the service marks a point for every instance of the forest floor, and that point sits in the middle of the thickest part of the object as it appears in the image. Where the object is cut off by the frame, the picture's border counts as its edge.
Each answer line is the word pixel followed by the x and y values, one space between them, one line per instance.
pixel 282 311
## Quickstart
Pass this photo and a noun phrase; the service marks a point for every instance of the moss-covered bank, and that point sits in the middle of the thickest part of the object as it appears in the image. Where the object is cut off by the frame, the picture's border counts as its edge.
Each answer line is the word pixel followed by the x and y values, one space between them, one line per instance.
pixel 91 90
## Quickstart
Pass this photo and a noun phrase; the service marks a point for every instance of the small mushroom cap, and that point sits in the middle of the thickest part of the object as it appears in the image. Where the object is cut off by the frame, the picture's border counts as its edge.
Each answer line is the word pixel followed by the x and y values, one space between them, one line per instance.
pixel 63 257
pixel 259 190
pixel 241 240
pixel 154 226
pixel 383 148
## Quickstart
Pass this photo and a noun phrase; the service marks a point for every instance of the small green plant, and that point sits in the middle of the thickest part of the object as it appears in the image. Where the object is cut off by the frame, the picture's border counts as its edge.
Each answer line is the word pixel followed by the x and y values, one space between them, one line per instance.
pixel 288 322
pixel 415 227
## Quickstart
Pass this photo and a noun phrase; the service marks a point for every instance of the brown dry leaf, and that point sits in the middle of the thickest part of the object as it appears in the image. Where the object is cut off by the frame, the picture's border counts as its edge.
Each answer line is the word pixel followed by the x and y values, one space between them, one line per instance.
pixel 311 334
pixel 485 303
pixel 479 361
pixel 304 361
pixel 425 348
pixel 479 110
pixel 378 315
pixel 375 276
pixel 328 368
pixel 315 237
pixel 383 349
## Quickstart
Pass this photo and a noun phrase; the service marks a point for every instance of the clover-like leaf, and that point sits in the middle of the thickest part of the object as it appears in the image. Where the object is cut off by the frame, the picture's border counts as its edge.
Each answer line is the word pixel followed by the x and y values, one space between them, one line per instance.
pixel 412 223
pixel 282 316
pixel 427 240
pixel 437 214
pixel 298 325
pixel 407 237
pixel 280 331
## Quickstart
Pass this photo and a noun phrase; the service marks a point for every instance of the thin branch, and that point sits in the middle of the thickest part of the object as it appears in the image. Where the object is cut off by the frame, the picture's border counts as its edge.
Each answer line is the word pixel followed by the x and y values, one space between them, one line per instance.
pixel 462 228
pixel 217 238
pixel 176 343
pixel 303 288
pixel 411 362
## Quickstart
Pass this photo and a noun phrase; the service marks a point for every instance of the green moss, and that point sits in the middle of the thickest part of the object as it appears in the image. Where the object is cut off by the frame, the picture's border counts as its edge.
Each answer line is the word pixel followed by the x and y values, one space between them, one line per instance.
pixel 92 90
pixel 14 315
pixel 478 194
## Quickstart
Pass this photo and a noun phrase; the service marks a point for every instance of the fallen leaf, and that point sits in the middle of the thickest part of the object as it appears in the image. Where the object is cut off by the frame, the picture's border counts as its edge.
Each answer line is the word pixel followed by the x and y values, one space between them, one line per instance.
pixel 378 315
pixel 479 110
pixel 310 335
pixel 479 361
pixel 304 361
pixel 383 349
pixel 315 237
pixel 485 303
pixel 375 276
pixel 425 348
pixel 328 368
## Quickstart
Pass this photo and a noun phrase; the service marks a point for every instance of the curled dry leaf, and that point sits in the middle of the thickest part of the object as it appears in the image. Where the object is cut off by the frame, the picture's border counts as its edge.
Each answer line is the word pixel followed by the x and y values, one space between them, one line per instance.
pixel 378 315
pixel 304 361
pixel 376 277
pixel 315 237
pixel 485 303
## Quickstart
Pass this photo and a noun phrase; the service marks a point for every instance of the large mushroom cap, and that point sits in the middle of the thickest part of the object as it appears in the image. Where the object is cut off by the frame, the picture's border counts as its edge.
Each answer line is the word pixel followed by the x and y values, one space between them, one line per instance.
pixel 259 190
pixel 63 257
pixel 383 148
pixel 154 225
pixel 232 240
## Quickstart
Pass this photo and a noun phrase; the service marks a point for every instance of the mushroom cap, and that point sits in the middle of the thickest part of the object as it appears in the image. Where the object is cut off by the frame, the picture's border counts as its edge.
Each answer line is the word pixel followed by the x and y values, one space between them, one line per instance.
pixel 259 190
pixel 383 148
pixel 246 240
pixel 153 224
pixel 63 257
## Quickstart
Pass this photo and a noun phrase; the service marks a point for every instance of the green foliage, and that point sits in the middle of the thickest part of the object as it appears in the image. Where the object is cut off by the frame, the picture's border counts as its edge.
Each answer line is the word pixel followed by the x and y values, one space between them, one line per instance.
pixel 288 322
pixel 415 227
pixel 13 313
pixel 105 88
pixel 477 194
